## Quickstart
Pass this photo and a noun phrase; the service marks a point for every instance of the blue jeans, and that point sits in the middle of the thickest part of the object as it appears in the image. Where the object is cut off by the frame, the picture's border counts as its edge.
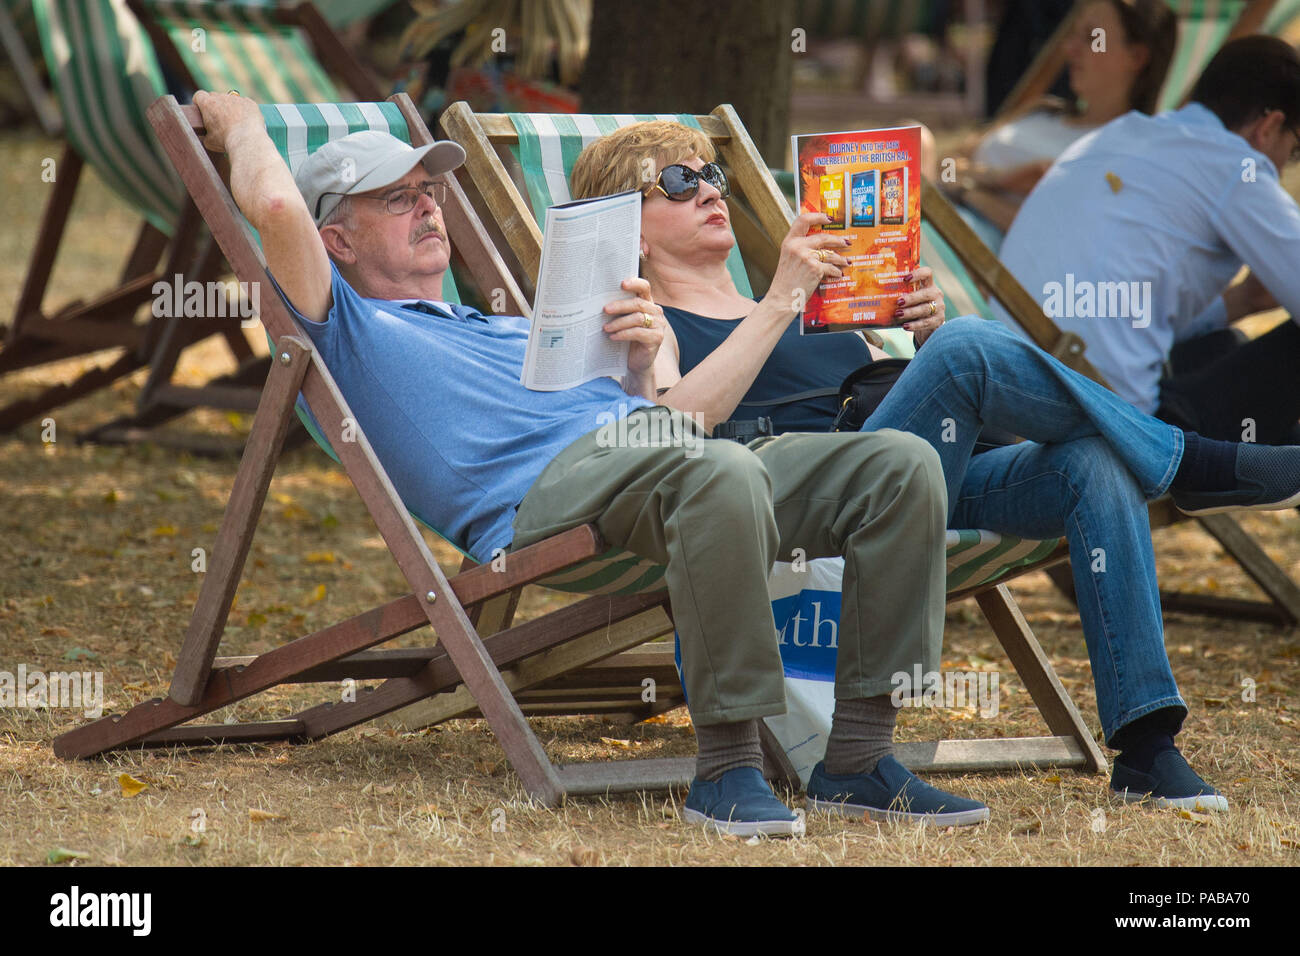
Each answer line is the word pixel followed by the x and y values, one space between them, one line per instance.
pixel 1090 462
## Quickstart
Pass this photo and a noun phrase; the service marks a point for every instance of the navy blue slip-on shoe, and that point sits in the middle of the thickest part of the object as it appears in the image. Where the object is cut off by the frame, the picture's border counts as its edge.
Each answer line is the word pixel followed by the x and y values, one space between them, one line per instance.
pixel 891 792
pixel 1268 479
pixel 1171 783
pixel 740 803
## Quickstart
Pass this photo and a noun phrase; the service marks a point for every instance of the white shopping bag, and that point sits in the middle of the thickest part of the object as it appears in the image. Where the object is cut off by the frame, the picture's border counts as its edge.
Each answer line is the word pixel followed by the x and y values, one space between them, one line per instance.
pixel 806 607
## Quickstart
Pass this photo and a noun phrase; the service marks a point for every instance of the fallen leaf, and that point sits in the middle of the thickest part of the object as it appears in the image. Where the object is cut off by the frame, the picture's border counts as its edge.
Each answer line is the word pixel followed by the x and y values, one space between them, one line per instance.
pixel 585 856
pixel 164 531
pixel 1054 778
pixel 318 594
pixel 263 816
pixel 1115 183
pixel 1028 829
pixel 131 786
pixel 319 557
pixel 1194 817
pixel 60 855
pixel 1214 701
pixel 614 742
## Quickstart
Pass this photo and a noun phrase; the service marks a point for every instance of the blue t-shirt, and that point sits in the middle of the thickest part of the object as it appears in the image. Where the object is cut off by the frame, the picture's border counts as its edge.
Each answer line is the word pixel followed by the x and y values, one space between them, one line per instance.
pixel 798 363
pixel 440 400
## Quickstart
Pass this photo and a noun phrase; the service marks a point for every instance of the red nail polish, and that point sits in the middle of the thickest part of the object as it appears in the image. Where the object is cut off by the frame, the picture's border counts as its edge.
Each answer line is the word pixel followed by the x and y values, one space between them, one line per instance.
pixel 908 277
pixel 898 314
pixel 901 301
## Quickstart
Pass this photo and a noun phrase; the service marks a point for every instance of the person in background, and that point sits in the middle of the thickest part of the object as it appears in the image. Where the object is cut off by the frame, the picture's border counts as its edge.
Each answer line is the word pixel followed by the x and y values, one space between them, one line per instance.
pixel 1117 57
pixel 1132 239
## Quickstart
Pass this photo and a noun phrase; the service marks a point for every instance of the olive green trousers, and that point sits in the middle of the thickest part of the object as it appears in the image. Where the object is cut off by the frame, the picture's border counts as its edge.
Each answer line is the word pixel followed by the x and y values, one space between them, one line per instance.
pixel 717 514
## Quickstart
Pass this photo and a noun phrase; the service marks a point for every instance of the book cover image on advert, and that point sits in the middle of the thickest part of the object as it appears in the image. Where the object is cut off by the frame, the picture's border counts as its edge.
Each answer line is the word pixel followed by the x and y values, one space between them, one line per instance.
pixel 868 182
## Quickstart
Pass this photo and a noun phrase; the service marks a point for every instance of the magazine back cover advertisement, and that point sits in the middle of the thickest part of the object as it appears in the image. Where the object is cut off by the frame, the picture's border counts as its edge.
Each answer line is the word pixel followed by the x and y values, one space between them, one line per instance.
pixel 868 182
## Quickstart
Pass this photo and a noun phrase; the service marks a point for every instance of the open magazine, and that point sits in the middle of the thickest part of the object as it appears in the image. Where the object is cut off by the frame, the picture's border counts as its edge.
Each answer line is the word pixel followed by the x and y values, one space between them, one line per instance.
pixel 589 246
pixel 869 183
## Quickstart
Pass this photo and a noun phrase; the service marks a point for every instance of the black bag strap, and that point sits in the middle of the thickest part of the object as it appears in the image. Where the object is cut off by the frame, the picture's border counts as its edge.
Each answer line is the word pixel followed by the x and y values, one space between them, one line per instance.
pixel 796 397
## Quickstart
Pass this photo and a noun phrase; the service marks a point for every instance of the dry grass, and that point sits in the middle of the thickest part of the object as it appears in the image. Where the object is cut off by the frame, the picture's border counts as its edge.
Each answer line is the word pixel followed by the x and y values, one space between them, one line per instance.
pixel 95 554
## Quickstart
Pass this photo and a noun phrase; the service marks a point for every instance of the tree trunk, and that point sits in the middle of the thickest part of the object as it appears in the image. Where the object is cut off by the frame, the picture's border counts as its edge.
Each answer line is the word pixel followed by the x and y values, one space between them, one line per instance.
pixel 654 56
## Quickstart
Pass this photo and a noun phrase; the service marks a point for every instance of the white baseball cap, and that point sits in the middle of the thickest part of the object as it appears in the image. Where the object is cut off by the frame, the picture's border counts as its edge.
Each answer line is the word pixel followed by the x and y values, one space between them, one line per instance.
pixel 366 160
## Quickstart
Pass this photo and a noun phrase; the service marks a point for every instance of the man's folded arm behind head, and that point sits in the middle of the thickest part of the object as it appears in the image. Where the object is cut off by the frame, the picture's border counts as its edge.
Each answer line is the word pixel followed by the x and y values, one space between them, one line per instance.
pixel 264 189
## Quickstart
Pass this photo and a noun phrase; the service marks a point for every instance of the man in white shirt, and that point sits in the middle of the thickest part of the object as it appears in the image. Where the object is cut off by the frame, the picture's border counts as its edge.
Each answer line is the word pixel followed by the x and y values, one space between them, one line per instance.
pixel 1132 237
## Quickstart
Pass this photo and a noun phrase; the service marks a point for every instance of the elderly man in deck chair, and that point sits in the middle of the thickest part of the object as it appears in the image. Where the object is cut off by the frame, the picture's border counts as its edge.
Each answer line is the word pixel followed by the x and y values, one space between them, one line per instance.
pixel 358 248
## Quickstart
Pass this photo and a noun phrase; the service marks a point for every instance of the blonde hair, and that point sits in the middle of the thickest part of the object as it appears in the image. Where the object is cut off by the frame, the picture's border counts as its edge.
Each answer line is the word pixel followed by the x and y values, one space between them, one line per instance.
pixel 631 157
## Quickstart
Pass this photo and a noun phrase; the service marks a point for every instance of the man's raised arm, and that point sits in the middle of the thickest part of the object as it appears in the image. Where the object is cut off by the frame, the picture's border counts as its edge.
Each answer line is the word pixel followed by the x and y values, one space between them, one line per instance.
pixel 265 192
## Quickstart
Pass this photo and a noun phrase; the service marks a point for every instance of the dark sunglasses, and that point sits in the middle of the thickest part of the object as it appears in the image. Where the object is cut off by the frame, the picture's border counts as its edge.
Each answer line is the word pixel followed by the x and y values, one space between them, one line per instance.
pixel 680 183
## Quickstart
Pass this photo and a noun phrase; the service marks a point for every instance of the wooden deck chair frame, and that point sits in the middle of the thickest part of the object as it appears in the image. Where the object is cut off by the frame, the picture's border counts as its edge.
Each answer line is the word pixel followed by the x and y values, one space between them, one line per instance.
pixel 761 217
pixel 466 661
pixel 1049 62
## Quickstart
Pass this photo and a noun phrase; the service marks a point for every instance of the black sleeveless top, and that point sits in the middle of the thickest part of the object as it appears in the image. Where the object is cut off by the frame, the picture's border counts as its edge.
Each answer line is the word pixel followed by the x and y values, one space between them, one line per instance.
pixel 799 363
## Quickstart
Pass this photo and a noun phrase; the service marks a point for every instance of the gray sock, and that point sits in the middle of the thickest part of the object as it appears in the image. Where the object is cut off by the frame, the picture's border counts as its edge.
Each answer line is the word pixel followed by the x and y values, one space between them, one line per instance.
pixel 725 747
pixel 862 731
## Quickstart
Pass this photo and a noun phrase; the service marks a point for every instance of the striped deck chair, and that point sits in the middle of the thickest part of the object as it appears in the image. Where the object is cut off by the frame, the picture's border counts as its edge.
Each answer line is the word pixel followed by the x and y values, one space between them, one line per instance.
pixel 261 48
pixel 1203 27
pixel 486 662
pixel 978 562
pixel 104 72
pixel 104 68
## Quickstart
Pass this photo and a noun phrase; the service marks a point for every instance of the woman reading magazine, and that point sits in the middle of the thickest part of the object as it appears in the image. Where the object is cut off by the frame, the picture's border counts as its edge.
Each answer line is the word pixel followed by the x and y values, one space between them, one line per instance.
pixel 1090 464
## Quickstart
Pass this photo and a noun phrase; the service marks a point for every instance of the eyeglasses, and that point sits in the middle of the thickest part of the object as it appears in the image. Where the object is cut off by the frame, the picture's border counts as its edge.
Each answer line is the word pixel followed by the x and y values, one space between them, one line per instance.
pixel 680 183
pixel 400 201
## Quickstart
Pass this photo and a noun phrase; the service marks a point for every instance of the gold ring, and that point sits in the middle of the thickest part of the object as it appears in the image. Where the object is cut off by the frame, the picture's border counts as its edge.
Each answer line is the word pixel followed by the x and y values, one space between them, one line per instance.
pixel 648 321
pixel 933 309
pixel 232 92
pixel 821 255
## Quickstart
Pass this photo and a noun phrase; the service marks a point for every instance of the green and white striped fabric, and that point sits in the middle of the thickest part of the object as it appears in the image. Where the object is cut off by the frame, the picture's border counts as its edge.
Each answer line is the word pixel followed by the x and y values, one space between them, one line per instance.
pixel 1282 20
pixel 548 146
pixel 105 74
pixel 1203 27
pixel 235 44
